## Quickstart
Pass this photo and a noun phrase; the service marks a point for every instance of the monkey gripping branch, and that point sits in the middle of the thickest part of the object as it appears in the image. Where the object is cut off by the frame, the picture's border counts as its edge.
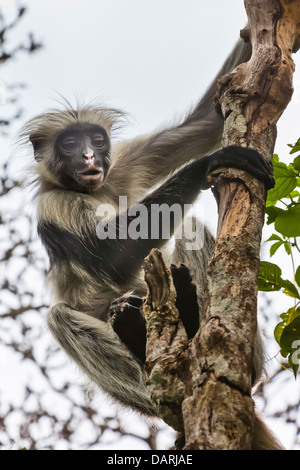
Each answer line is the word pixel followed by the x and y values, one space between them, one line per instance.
pixel 202 388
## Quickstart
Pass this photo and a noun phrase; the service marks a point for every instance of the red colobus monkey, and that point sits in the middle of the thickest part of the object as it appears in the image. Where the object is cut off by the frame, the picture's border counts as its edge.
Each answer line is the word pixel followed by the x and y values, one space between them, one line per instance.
pixel 77 170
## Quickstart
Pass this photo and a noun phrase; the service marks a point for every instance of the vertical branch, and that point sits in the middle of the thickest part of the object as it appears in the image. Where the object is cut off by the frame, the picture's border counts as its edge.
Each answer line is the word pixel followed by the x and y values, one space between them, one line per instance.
pixel 251 99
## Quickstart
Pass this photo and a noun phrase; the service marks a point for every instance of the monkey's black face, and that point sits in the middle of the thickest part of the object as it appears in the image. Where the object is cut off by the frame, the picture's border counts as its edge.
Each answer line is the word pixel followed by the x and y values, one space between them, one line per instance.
pixel 82 157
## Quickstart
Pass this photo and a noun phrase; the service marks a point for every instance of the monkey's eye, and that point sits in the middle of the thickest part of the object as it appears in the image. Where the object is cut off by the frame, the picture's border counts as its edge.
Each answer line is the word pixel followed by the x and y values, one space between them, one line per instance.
pixel 98 141
pixel 69 144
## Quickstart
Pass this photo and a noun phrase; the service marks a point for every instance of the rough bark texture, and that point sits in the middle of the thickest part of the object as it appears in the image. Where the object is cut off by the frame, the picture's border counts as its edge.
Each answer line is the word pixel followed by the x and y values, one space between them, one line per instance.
pixel 204 386
pixel 166 364
pixel 225 416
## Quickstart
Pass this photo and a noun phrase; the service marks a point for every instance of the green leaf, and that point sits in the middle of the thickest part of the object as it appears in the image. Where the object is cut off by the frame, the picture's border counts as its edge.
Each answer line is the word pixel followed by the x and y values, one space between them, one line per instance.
pixel 269 279
pixel 274 236
pixel 285 182
pixel 288 223
pixel 294 363
pixel 275 247
pixel 295 148
pixel 296 162
pixel 290 289
pixel 287 318
pixel 272 213
pixel 290 315
pixel 278 331
pixel 297 276
pixel 290 343
pixel 290 334
pixel 287 247
pixel 281 170
pixel 294 194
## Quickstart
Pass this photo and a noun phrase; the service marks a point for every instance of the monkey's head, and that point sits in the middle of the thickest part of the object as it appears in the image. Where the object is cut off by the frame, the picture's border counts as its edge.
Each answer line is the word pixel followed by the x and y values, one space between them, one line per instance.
pixel 72 147
pixel 81 157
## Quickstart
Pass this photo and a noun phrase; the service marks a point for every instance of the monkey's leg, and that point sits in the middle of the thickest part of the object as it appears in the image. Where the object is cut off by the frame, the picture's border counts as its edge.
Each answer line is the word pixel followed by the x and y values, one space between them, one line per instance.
pixel 92 345
pixel 129 324
pixel 186 300
pixel 197 261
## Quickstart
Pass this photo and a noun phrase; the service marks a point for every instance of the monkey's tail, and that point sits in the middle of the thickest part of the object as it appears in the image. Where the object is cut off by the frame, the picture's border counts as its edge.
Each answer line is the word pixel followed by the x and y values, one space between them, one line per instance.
pixel 263 438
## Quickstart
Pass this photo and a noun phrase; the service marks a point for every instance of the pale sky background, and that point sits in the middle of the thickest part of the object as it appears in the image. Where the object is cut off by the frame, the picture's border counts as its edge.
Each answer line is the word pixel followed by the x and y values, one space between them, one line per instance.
pixel 151 58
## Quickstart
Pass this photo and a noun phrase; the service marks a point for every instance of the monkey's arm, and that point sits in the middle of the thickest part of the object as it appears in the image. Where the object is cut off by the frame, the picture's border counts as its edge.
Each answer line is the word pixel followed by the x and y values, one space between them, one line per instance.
pixel 143 162
pixel 121 258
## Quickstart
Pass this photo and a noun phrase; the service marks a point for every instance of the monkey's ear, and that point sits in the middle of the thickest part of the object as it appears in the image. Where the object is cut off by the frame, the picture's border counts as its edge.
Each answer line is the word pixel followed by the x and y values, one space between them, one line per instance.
pixel 37 144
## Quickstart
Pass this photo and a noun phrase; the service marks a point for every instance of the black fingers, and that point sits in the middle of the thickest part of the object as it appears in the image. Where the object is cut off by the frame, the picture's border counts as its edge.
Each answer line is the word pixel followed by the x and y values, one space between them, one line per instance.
pixel 245 159
pixel 129 324
pixel 186 301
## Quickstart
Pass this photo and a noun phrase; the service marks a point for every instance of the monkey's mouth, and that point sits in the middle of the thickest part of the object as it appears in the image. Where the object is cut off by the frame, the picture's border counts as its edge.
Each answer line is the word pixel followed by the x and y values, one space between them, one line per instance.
pixel 92 174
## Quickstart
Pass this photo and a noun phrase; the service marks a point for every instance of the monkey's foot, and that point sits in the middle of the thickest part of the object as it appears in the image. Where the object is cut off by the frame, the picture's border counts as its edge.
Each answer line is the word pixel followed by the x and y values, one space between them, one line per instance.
pixel 129 324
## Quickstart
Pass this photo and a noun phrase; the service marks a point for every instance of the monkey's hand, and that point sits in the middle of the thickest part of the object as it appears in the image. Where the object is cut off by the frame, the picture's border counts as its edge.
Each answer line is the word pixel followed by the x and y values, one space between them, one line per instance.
pixel 186 301
pixel 129 324
pixel 241 158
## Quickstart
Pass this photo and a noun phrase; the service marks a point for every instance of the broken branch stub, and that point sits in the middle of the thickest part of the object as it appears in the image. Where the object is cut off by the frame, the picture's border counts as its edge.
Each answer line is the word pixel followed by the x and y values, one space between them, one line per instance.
pixel 165 366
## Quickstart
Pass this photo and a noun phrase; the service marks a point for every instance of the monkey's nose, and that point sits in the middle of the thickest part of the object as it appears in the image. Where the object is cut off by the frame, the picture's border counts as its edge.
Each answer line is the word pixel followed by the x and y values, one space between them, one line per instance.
pixel 89 156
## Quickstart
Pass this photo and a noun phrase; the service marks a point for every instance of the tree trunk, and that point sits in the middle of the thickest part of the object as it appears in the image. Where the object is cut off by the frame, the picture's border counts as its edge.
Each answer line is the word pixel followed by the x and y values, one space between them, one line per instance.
pixel 204 386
